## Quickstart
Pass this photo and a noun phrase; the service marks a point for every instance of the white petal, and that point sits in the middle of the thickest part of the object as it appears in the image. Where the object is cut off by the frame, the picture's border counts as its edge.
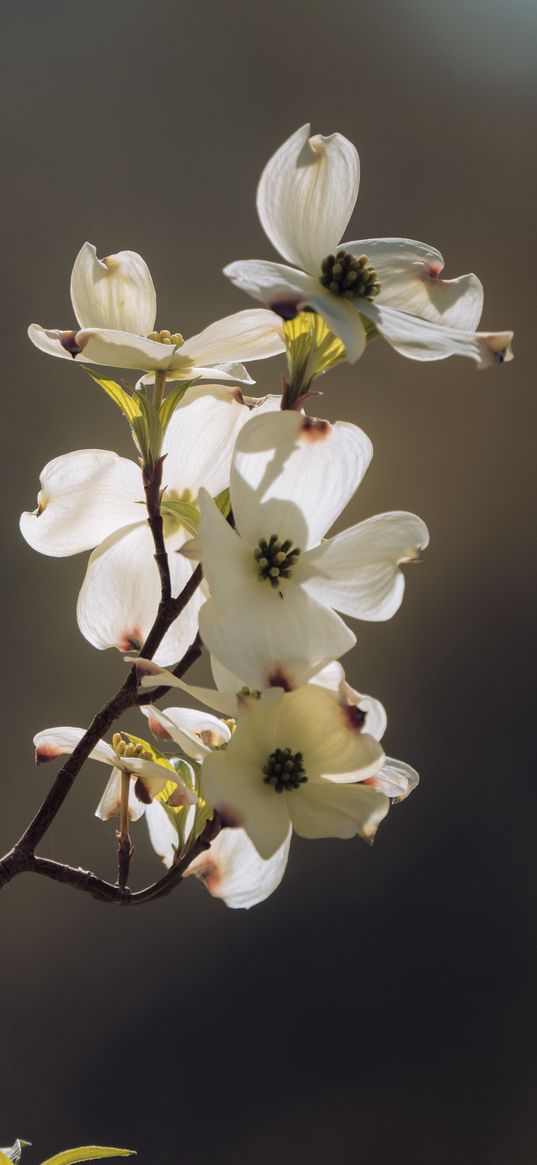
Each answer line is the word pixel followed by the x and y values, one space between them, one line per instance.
pixel 324 809
pixel 420 340
pixel 409 276
pixel 56 342
pixel 232 869
pixel 195 732
pixel 119 349
pixel 116 292
pixel 396 779
pixel 84 497
pixel 315 722
pixel 306 195
pixel 272 642
pixel 200 437
pixel 53 742
pixel 120 594
pixel 162 835
pixel 254 334
pixel 110 802
pixel 293 475
pixel 227 561
pixel 240 795
pixel 358 571
pixel 151 676
pixel 332 676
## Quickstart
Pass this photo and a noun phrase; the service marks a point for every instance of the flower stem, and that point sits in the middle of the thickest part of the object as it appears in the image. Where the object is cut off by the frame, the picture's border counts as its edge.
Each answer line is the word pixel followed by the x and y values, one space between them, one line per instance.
pixel 125 847
pixel 159 388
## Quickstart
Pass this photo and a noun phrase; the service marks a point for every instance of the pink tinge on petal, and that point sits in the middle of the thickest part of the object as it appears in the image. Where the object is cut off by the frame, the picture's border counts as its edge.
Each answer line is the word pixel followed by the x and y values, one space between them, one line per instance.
pixel 354 717
pixel 45 752
pixel 69 341
pixel 279 678
pixel 157 728
pixel 207 869
pixel 432 270
pixel 314 430
pixel 131 641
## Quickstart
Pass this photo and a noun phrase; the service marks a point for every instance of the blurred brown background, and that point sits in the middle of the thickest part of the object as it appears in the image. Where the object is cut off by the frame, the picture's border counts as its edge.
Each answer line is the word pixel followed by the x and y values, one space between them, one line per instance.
pixel 379 1006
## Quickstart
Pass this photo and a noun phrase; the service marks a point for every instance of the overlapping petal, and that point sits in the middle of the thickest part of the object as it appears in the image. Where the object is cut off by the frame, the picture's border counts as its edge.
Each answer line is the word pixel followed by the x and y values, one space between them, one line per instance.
pixel 200 437
pixel 195 732
pixel 419 339
pixel 85 496
pixel 325 809
pixel 306 195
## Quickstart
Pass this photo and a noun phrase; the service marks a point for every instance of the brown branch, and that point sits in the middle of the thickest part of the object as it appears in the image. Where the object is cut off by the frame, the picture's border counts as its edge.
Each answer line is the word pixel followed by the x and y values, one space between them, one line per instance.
pixel 153 494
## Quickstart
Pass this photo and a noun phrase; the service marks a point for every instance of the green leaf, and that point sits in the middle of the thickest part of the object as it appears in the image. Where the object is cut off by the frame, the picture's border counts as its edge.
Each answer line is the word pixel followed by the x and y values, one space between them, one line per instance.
pixel 147 429
pixel 171 401
pixel 158 757
pixel 223 501
pixel 184 512
pixel 87 1153
pixel 128 404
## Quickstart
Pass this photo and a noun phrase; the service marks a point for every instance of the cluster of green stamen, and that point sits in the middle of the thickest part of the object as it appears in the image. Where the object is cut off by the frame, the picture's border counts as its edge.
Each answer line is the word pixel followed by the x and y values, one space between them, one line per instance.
pixel 352 278
pixel 127 748
pixel 275 559
pixel 167 337
pixel 284 770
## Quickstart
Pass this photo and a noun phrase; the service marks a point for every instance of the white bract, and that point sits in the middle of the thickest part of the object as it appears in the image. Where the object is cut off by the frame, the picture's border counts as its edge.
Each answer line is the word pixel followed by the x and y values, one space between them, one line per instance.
pixel 275 583
pixel 94 498
pixel 115 304
pixel 305 198
pixel 149 777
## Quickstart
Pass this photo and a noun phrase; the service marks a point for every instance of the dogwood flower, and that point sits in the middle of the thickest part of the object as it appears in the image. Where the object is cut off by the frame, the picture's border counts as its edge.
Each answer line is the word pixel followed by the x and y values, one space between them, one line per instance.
pixel 231 869
pixel 94 498
pixel 115 304
pixel 305 198
pixel 149 777
pixel 274 582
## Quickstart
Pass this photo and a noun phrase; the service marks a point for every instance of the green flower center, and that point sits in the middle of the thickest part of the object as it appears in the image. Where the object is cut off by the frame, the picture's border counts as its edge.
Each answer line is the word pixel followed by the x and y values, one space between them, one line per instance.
pixel 284 770
pixel 166 337
pixel 275 559
pixel 352 278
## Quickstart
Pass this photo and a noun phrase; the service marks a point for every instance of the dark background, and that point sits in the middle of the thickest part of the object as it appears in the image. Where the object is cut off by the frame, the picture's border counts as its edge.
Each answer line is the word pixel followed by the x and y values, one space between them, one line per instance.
pixel 380 1006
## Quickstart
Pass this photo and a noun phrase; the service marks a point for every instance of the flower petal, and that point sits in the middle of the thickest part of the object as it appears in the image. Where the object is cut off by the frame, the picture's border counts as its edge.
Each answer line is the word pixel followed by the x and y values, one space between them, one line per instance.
pixel 233 870
pixel 237 791
pixel 199 440
pixel 162 835
pixel 53 742
pixel 315 722
pixel 84 497
pixel 270 642
pixel 110 802
pixel 409 277
pixel 324 809
pixel 396 779
pixel 151 676
pixel 116 292
pixel 420 340
pixel 358 571
pixel 227 561
pixel 120 594
pixel 289 470
pixel 306 195
pixel 254 334
pixel 195 732
pixel 56 342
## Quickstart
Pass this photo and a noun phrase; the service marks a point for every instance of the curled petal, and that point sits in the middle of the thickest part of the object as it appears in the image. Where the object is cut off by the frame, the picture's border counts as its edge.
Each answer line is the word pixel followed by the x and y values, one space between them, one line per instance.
pixel 306 195
pixel 420 340
pixel 253 334
pixel 53 742
pixel 358 572
pixel 116 292
pixel 329 733
pixel 195 732
pixel 396 779
pixel 233 870
pixel 110 803
pixel 84 497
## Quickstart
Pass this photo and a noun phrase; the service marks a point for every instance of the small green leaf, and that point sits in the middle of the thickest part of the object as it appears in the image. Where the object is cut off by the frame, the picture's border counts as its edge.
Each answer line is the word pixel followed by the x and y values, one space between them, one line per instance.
pixel 158 757
pixel 148 429
pixel 184 512
pixel 223 501
pixel 87 1153
pixel 128 404
pixel 171 401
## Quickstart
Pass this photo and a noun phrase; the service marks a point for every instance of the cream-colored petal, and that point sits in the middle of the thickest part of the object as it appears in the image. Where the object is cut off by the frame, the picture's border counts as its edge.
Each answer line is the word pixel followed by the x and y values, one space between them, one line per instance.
pixel 110 803
pixel 273 642
pixel 324 809
pixel 395 779
pixel 120 594
pixel 195 732
pixel 119 349
pixel 200 437
pixel 329 733
pixel 116 292
pixel 420 340
pixel 254 334
pixel 306 195
pixel 293 475
pixel 163 836
pixel 57 342
pixel 409 276
pixel 228 563
pixel 84 497
pixel 150 675
pixel 232 869
pixel 53 742
pixel 358 572
pixel 238 792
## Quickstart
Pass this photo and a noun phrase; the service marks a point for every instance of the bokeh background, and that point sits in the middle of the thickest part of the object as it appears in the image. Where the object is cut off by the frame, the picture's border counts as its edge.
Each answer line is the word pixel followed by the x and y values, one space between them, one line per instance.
pixel 381 1005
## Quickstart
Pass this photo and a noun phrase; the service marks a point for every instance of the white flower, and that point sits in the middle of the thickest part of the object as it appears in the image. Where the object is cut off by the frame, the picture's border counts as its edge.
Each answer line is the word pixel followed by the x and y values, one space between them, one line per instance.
pixel 305 198
pixel 115 304
pixel 274 582
pixel 295 759
pixel 149 778
pixel 94 498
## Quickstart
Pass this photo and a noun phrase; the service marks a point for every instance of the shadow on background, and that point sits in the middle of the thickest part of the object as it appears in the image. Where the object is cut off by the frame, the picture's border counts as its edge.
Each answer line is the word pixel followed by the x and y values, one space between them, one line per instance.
pixel 379 1006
